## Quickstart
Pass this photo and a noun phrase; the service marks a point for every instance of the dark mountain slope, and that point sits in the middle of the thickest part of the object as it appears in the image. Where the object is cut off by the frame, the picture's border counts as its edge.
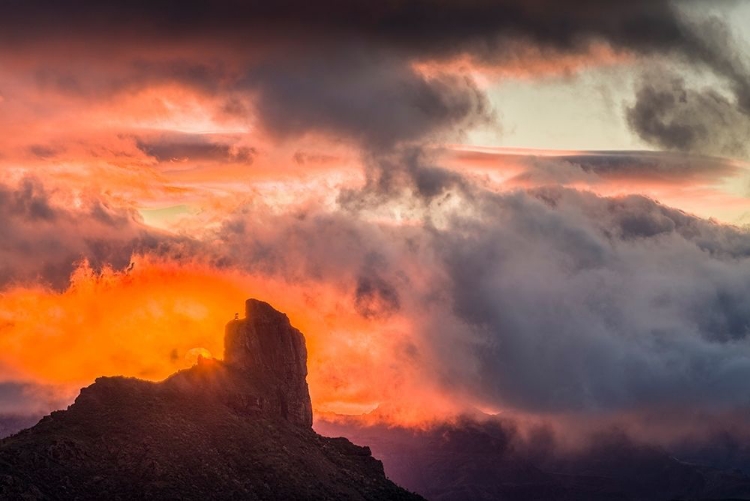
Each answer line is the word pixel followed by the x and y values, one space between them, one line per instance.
pixel 238 430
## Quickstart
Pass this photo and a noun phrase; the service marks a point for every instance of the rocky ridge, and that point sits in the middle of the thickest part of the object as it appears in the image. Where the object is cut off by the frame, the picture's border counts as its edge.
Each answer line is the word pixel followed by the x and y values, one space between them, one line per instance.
pixel 237 429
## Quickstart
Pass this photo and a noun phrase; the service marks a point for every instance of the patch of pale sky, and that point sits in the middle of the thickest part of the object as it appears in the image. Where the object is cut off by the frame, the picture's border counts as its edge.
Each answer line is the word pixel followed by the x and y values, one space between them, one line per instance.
pixel 581 112
pixel 586 111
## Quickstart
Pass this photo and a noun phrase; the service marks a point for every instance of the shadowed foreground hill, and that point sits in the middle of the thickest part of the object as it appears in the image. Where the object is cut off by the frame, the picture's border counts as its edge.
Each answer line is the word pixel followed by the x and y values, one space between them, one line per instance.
pixel 239 429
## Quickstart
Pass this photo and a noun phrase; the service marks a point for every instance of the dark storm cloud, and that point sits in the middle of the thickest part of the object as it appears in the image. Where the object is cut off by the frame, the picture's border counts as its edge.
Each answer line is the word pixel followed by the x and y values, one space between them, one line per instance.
pixel 670 114
pixel 346 67
pixel 711 43
pixel 597 167
pixel 588 303
pixel 651 166
pixel 43 240
pixel 673 116
pixel 409 169
pixel 416 26
pixel 195 147
pixel 549 300
pixel 377 100
pixel 375 297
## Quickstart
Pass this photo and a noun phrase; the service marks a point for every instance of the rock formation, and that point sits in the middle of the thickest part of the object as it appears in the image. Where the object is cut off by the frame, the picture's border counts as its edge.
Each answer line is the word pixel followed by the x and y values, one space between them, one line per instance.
pixel 266 347
pixel 239 429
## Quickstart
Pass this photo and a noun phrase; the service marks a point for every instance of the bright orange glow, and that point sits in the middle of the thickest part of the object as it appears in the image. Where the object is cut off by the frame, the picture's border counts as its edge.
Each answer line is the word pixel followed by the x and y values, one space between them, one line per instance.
pixel 161 316
pixel 143 323
pixel 195 355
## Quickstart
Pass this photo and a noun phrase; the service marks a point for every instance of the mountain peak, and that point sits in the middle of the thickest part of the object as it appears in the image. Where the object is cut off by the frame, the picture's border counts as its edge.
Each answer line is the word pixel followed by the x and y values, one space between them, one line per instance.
pixel 266 347
pixel 233 429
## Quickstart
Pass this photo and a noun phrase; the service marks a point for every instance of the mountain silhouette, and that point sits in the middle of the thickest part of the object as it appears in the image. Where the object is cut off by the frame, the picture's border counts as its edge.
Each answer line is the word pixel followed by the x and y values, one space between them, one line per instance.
pixel 239 429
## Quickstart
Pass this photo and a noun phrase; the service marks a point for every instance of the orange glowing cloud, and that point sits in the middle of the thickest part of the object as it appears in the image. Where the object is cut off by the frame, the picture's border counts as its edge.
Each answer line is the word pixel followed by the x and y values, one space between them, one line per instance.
pixel 136 323
pixel 158 316
pixel 155 144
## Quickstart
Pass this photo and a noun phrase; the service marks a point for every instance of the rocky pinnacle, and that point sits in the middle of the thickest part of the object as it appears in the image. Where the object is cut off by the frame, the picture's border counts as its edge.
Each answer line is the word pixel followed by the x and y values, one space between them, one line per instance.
pixel 265 345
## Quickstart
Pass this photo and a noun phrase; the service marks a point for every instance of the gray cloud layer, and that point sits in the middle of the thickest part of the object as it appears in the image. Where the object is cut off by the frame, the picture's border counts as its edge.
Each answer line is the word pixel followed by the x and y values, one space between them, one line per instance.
pixel 551 300
pixel 414 26
pixel 585 303
pixel 376 100
pixel 43 240
pixel 345 68
pixel 673 116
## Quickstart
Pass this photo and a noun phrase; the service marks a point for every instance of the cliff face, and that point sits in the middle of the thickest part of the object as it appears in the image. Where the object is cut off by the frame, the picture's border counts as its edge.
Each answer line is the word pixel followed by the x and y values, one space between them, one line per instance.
pixel 238 429
pixel 266 347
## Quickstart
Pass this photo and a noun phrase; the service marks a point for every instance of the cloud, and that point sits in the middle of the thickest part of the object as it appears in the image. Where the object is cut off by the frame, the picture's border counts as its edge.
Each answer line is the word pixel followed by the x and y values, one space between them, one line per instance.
pixel 607 172
pixel 414 24
pixel 45 233
pixel 374 296
pixel 177 147
pixel 581 303
pixel 544 301
pixel 539 167
pixel 414 29
pixel 654 167
pixel 344 62
pixel 705 186
pixel 373 99
pixel 20 400
pixel 673 116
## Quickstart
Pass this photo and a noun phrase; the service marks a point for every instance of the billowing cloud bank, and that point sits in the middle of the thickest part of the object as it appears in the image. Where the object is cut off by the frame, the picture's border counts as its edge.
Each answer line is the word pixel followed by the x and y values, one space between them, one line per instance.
pixel 540 301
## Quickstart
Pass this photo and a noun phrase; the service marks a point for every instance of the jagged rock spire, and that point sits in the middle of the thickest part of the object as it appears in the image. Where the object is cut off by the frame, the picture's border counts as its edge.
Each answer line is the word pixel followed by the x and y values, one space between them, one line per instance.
pixel 265 345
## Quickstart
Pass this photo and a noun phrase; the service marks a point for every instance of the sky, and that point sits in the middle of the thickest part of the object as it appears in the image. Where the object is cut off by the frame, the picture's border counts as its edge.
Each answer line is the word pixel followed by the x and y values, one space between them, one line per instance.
pixel 536 209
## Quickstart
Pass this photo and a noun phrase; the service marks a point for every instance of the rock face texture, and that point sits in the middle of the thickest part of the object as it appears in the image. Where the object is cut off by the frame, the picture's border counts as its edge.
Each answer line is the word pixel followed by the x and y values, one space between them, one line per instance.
pixel 234 430
pixel 266 347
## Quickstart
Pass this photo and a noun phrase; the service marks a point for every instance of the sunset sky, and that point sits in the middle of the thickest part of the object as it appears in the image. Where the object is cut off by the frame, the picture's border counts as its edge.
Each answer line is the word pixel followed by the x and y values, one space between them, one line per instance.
pixel 534 208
